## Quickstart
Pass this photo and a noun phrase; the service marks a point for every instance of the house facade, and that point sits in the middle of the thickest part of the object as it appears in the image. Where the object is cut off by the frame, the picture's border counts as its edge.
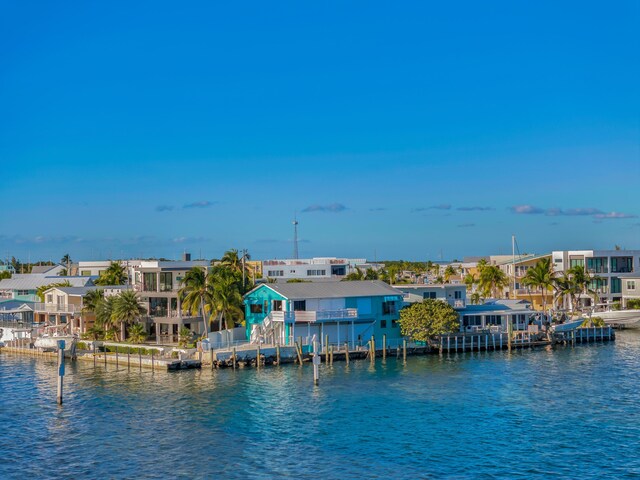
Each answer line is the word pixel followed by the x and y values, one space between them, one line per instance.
pixel 516 269
pixel 320 268
pixel 344 311
pixel 454 295
pixel 610 269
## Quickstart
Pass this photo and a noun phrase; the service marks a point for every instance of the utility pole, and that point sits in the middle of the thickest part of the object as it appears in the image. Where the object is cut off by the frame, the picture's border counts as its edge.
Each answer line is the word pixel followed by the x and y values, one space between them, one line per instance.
pixel 295 238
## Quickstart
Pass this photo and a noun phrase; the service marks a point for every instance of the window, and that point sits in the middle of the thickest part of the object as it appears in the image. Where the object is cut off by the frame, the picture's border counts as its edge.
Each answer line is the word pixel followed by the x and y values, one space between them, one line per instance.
pixel 277 305
pixel 457 294
pixel 22 292
pixel 383 324
pixel 166 281
pixel 388 308
pixel 597 265
pixel 576 262
pixel 85 273
pixel 150 282
pixel 299 305
pixel 158 306
pixel 621 264
pixel 429 295
pixel 255 308
pixel 316 273
pixel 275 273
pixel 631 285
pixel 472 321
pixel 338 270
pixel 394 323
pixel 49 298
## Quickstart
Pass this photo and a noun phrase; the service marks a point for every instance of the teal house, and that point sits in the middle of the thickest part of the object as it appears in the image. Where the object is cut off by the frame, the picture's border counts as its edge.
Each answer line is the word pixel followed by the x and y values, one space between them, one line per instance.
pixel 344 311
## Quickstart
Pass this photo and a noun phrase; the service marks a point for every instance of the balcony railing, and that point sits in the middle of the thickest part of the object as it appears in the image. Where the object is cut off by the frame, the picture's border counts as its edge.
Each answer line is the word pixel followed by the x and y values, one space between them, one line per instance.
pixel 314 316
pixel 55 308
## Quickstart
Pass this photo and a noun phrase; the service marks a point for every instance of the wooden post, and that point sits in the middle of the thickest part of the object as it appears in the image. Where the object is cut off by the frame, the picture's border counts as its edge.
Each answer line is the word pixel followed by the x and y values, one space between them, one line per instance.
pixel 60 369
pixel 211 354
pixel 509 334
pixel 234 358
pixel 116 357
pixel 105 355
pixel 331 355
pixel 152 360
pixel 298 353
pixel 346 352
pixel 316 364
pixel 464 338
pixel 258 357
pixel 128 357
pixel 404 350
pixel 448 343
pixel 326 349
pixel 373 346
pixel 278 353
pixel 384 346
pixel 456 343
pixel 441 344
pixel 94 353
pixel 140 358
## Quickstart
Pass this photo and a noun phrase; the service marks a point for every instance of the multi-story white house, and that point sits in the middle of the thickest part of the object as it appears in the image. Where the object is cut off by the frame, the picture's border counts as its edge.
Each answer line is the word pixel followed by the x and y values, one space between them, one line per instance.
pixel 321 268
pixel 608 267
pixel 454 295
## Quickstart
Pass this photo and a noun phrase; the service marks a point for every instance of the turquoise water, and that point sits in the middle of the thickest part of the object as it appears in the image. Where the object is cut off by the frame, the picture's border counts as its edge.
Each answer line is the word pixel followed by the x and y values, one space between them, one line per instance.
pixel 569 411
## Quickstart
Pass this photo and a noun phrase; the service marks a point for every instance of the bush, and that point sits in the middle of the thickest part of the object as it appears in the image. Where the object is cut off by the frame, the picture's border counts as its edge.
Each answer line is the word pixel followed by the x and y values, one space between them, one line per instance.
pixel 427 319
pixel 633 303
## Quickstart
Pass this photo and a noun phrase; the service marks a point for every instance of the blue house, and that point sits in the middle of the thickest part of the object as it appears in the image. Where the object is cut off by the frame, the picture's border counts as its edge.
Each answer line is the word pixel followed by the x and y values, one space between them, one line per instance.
pixel 345 311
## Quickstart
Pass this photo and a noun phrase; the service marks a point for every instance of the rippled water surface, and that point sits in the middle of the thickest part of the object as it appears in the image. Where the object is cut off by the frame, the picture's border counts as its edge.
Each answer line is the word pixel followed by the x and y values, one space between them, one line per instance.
pixel 572 412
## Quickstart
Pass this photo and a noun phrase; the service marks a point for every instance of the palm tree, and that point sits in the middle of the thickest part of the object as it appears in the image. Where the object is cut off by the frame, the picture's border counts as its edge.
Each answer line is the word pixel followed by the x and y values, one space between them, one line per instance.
pixel 475 298
pixel 127 310
pixel 104 314
pixel 226 298
pixel 357 275
pixel 492 280
pixel 197 294
pixel 565 287
pixel 66 261
pixel 449 272
pixel 115 274
pixel 91 300
pixel 470 280
pixel 583 281
pixel 540 277
pixel 137 333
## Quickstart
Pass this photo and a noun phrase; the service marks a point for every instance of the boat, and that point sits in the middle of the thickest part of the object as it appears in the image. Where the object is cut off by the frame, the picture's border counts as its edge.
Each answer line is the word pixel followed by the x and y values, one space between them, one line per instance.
pixel 567 326
pixel 624 318
pixel 53 334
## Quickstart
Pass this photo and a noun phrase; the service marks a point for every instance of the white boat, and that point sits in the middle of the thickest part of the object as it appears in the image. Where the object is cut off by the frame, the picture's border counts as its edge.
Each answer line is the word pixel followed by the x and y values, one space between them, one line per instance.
pixel 10 334
pixel 625 318
pixel 53 334
pixel 567 326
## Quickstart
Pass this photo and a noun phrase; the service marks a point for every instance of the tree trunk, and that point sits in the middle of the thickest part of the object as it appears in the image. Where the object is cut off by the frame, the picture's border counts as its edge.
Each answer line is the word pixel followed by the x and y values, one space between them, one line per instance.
pixel 204 319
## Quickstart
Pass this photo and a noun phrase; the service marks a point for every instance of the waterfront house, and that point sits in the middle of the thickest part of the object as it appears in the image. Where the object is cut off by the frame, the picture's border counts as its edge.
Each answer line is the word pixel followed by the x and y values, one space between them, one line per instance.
pixel 610 268
pixel 516 269
pixel 314 269
pixel 496 315
pixel 345 311
pixel 454 295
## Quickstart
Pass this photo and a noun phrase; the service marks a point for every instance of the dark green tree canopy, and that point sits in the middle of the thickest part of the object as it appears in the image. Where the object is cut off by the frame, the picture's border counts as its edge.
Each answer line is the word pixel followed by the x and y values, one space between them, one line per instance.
pixel 427 319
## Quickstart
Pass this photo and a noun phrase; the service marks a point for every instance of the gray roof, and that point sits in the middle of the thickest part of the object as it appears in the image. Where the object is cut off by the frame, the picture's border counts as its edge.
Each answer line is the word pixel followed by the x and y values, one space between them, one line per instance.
pixel 367 288
pixel 44 268
pixel 34 281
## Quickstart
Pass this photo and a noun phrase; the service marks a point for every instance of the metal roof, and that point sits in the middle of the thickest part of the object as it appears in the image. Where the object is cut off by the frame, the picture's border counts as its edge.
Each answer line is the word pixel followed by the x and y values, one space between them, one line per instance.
pixel 366 288
pixel 44 268
pixel 34 281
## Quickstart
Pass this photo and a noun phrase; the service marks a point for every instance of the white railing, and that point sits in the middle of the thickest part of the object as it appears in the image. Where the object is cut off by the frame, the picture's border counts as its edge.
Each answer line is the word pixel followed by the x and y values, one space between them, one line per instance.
pixel 55 308
pixel 314 316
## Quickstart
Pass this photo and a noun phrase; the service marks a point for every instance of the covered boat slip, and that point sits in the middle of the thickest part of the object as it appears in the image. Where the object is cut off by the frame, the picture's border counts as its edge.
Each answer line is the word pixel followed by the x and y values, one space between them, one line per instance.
pixel 498 320
pixel 286 329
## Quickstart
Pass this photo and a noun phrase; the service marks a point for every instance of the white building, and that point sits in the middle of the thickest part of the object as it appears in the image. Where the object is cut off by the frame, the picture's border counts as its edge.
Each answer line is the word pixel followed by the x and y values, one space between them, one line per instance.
pixel 609 267
pixel 454 295
pixel 321 268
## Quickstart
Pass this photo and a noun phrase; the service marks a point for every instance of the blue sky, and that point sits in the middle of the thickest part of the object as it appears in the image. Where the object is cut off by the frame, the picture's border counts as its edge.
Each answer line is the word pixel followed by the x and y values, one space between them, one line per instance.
pixel 410 130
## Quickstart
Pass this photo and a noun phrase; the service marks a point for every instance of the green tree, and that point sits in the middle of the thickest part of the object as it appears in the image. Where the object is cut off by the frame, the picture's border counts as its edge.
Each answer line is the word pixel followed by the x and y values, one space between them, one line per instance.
pixel 492 281
pixel 226 300
pixel 197 295
pixel 449 272
pixel 540 277
pixel 5 274
pixel 115 274
pixel 475 298
pixel 137 333
pixel 127 310
pixel 424 320
pixel 185 336
pixel 104 315
pixel 354 276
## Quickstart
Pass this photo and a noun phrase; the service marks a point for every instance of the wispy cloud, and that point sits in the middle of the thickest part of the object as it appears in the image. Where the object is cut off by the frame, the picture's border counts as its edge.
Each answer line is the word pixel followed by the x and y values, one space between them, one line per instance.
pixel 333 208
pixel 164 208
pixel 442 206
pixel 200 204
pixel 570 212
pixel 377 209
pixel 474 209
pixel 466 225
pixel 189 239
pixel 614 215
pixel 526 210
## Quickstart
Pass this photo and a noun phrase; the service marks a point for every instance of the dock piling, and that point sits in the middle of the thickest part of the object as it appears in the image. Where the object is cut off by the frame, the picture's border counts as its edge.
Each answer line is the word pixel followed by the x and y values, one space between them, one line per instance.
pixel 404 351
pixel 346 352
pixel 316 364
pixel 384 346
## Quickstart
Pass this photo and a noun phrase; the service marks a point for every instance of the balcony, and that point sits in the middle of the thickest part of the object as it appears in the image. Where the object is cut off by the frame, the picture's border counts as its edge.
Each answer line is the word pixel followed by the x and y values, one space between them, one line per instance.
pixel 55 308
pixel 347 314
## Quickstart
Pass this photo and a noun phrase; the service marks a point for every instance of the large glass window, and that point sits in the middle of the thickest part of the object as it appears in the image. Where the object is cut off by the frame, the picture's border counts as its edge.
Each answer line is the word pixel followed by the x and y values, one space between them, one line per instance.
pixel 158 306
pixel 388 308
pixel 616 285
pixel 166 281
pixel 150 281
pixel 255 308
pixel 576 262
pixel 597 265
pixel 299 305
pixel 621 265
